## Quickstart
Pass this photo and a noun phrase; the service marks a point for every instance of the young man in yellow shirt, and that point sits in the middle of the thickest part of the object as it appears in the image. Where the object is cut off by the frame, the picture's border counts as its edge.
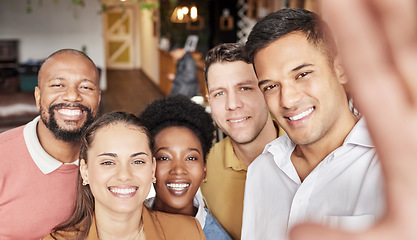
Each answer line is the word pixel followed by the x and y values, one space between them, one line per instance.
pixel 239 110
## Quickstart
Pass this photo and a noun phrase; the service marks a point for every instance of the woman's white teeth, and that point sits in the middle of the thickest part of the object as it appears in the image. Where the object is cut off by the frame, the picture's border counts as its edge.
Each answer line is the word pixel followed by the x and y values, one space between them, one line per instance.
pixel 178 186
pixel 70 112
pixel 301 115
pixel 123 190
pixel 239 120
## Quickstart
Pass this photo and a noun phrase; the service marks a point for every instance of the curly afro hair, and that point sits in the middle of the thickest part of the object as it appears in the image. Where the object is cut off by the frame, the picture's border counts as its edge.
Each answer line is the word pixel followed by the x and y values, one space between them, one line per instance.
pixel 180 111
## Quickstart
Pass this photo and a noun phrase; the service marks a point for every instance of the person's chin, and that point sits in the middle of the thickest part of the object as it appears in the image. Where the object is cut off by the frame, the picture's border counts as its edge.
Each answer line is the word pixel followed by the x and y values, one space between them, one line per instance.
pixel 242 138
pixel 71 126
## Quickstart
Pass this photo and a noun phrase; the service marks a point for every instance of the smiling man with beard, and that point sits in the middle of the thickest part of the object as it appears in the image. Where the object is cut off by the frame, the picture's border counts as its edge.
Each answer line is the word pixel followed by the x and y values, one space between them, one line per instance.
pixel 40 160
pixel 62 133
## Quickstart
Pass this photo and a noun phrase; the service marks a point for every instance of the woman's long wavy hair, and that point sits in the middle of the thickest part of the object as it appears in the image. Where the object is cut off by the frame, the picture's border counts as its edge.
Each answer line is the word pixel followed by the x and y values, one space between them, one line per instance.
pixel 82 216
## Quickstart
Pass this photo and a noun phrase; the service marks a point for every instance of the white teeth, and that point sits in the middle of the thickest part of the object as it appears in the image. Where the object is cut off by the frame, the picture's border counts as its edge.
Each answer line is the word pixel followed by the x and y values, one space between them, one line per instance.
pixel 123 190
pixel 178 186
pixel 70 112
pixel 301 115
pixel 239 120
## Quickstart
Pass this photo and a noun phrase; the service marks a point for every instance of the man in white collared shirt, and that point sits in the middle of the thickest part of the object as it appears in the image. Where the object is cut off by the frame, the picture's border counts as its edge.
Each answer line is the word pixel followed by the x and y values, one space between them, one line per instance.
pixel 325 169
pixel 39 163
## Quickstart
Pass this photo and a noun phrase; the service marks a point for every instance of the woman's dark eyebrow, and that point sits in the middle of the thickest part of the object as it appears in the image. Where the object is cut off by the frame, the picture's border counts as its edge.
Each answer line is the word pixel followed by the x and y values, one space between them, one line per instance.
pixel 108 154
pixel 194 149
pixel 138 154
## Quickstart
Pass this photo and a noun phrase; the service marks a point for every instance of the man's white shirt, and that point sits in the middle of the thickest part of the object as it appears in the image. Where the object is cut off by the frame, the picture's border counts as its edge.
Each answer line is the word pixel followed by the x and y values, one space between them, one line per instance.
pixel 345 190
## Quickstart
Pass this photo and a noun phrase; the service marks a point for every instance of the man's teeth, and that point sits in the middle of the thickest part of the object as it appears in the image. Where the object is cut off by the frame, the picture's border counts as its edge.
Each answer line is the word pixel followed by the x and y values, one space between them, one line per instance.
pixel 239 120
pixel 123 190
pixel 301 115
pixel 178 186
pixel 70 112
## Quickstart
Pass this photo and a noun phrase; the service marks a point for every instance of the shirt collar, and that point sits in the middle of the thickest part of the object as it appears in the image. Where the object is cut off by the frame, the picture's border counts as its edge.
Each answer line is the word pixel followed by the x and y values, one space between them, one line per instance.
pixel 359 135
pixel 198 202
pixel 45 162
pixel 231 160
pixel 282 147
pixel 201 212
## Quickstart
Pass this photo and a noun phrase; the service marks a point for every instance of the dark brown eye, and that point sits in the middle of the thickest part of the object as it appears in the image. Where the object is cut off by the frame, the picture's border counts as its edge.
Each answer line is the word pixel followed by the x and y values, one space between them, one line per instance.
pixel 303 74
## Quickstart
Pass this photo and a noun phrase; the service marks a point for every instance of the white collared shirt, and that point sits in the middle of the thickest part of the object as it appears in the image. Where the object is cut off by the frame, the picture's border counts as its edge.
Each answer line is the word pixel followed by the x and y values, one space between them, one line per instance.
pixel 345 190
pixel 45 162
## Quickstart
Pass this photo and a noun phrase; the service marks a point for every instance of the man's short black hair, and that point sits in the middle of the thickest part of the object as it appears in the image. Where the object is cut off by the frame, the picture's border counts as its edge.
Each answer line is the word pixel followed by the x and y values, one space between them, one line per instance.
pixel 180 111
pixel 287 21
pixel 225 52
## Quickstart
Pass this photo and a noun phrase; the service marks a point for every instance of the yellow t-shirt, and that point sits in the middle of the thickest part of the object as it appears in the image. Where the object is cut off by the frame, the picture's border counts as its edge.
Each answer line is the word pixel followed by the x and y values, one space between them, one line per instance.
pixel 225 187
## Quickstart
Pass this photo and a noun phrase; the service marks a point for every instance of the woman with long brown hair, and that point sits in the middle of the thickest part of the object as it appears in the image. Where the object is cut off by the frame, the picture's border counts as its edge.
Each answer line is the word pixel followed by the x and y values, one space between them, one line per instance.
pixel 116 173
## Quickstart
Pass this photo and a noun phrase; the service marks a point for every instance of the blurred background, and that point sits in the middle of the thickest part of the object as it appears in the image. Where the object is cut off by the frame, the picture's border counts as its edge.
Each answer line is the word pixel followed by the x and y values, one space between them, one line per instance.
pixel 128 40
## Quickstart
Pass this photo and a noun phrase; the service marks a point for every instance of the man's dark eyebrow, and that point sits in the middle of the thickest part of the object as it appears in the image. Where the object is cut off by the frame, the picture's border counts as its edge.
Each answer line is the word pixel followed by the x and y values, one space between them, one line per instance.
pixel 246 82
pixel 263 82
pixel 63 79
pixel 89 80
pixel 56 78
pixel 210 90
pixel 293 70
pixel 300 67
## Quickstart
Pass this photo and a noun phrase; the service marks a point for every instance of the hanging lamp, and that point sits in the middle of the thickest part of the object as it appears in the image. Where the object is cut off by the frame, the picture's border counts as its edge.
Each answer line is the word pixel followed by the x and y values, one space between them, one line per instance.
pixel 184 12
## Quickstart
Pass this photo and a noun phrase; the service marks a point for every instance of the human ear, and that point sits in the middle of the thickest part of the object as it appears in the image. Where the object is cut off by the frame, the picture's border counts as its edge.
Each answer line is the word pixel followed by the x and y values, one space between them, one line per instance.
pixel 84 170
pixel 339 70
pixel 341 76
pixel 38 97
pixel 153 166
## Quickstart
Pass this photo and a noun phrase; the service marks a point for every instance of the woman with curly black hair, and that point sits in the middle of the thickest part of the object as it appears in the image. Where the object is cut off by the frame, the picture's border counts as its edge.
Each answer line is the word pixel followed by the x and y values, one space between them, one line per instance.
pixel 183 133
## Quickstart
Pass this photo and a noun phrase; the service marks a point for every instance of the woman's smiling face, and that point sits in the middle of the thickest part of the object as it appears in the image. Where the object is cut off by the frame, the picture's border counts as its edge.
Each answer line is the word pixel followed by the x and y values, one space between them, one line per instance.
pixel 119 169
pixel 180 169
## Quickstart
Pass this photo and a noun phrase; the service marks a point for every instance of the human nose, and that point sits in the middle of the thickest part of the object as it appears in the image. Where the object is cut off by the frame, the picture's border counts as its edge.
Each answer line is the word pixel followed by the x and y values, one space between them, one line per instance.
pixel 124 173
pixel 290 95
pixel 233 101
pixel 72 94
pixel 178 168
